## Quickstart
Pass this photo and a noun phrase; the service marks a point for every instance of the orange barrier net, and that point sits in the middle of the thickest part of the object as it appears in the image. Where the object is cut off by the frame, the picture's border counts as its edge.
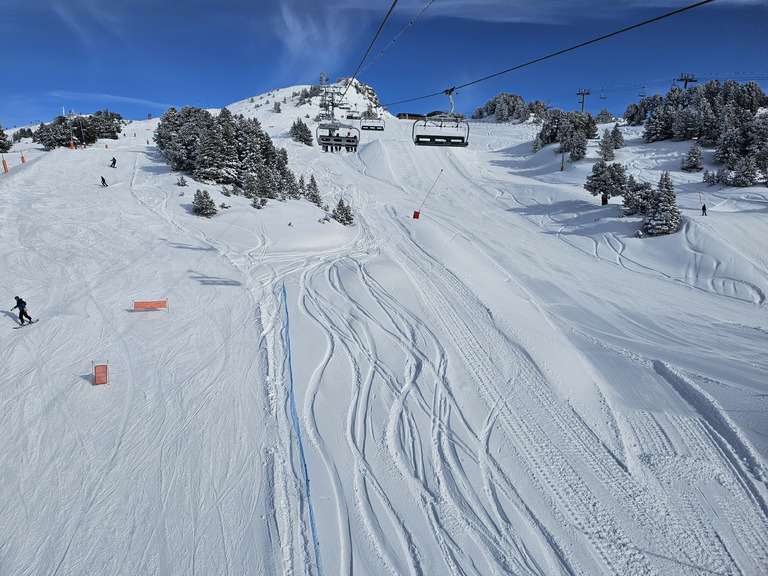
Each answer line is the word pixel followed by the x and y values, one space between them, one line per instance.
pixel 100 374
pixel 150 305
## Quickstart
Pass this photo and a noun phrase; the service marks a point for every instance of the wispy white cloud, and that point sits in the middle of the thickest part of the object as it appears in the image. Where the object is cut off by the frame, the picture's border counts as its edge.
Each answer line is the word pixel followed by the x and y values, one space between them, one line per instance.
pixel 112 98
pixel 541 11
pixel 89 20
pixel 314 40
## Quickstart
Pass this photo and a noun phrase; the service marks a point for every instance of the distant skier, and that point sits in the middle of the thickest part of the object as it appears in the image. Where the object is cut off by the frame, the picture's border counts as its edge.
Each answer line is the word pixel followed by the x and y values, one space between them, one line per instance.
pixel 114 161
pixel 103 182
pixel 703 209
pixel 22 306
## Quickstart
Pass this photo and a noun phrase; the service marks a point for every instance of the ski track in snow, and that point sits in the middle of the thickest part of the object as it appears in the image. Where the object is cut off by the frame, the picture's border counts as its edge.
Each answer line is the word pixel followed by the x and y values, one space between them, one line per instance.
pixel 456 419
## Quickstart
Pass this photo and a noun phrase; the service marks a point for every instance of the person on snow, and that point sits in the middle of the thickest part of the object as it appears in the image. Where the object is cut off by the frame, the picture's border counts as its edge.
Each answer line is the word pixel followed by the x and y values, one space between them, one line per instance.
pixel 703 209
pixel 114 161
pixel 103 182
pixel 22 306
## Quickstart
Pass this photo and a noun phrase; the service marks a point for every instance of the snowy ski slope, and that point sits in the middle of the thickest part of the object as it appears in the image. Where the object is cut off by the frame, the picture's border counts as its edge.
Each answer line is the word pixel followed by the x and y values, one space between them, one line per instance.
pixel 511 384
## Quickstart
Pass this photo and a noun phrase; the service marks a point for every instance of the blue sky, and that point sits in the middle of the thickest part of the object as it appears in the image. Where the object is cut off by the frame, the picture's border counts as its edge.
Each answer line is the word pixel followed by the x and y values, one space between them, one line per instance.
pixel 139 57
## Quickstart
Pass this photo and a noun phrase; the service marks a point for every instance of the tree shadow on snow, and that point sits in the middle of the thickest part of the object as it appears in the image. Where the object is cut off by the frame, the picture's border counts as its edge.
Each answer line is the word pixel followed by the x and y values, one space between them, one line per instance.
pixel 212 280
pixel 580 218
pixel 190 247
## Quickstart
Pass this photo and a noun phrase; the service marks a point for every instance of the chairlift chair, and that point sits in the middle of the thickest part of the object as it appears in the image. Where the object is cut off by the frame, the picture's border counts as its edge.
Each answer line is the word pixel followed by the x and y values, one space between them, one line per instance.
pixel 441 129
pixel 337 134
pixel 372 124
pixel 602 95
pixel 642 93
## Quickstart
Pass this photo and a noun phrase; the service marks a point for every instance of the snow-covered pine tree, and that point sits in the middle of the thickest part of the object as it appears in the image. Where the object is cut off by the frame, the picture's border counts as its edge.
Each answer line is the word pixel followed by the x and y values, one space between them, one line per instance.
pixel 479 113
pixel 203 205
pixel 664 217
pixel 685 126
pixel 302 185
pixel 343 214
pixel 744 172
pixel 637 196
pixel 209 166
pixel 606 147
pixel 577 145
pixel 757 136
pixel 618 137
pixel 676 98
pixel 167 129
pixel 313 193
pixel 709 128
pixel 634 115
pixel 730 148
pixel 606 181
pixel 300 132
pixel 230 162
pixel 5 142
pixel 659 124
pixel 604 116
pixel 692 160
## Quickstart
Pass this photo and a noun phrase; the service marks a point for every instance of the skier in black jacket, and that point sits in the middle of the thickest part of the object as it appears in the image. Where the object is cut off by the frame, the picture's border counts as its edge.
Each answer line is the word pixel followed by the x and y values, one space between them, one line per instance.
pixel 22 306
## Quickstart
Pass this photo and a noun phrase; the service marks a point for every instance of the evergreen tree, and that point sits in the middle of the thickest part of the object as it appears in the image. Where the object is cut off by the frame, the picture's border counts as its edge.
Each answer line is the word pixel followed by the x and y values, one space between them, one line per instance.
pixel 538 110
pixel 709 129
pixel 676 98
pixel 730 148
pixel 692 161
pixel 479 113
pixel 606 181
pixel 577 146
pixel 209 166
pixel 637 196
pixel 659 124
pixel 634 115
pixel 167 130
pixel 604 117
pixel 203 205
pixel 5 142
pixel 302 185
pixel 343 214
pixel 618 137
pixel 685 125
pixel 300 132
pixel 313 193
pixel 550 129
pixel 664 217
pixel 757 137
pixel 229 158
pixel 744 172
pixel 606 147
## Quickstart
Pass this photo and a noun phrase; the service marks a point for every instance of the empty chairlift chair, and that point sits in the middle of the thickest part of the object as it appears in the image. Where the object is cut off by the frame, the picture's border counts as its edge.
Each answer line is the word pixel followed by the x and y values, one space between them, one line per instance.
pixel 441 129
pixel 372 124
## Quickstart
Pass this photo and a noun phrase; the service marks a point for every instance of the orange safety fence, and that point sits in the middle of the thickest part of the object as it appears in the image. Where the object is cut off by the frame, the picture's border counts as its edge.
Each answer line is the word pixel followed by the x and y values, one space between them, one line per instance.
pixel 100 374
pixel 150 305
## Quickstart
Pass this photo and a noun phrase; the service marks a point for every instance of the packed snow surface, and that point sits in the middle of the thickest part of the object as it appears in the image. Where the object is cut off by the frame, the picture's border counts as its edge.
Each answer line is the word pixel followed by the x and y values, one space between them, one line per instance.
pixel 513 383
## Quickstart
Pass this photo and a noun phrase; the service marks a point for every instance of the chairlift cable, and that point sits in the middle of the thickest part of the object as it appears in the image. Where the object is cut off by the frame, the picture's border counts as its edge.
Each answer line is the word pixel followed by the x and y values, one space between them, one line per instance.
pixel 558 53
pixel 396 37
pixel 369 48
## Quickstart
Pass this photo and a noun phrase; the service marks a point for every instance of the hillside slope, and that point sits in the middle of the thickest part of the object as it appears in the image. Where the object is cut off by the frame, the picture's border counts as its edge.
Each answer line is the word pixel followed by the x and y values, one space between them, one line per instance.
pixel 512 383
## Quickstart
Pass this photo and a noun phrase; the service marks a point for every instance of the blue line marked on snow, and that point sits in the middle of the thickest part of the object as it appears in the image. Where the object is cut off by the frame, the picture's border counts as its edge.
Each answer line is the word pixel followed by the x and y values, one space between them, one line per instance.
pixel 296 427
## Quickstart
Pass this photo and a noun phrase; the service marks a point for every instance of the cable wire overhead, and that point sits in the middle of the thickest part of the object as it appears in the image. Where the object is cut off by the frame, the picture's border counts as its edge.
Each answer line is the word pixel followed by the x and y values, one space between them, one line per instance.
pixel 369 48
pixel 558 53
pixel 396 37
